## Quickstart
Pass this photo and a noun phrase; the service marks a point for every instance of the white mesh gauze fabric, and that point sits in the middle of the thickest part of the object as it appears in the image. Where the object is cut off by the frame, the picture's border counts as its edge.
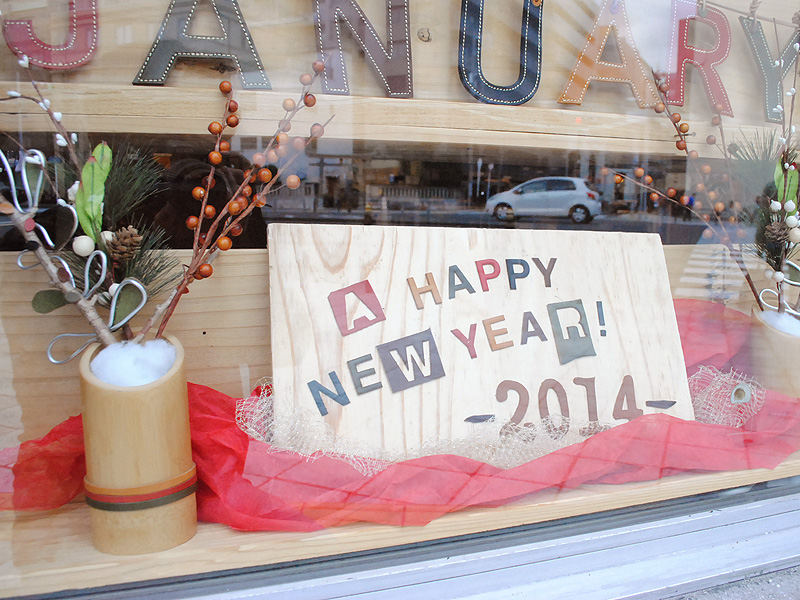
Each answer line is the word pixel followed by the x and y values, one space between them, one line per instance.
pixel 306 434
pixel 718 398
pixel 725 398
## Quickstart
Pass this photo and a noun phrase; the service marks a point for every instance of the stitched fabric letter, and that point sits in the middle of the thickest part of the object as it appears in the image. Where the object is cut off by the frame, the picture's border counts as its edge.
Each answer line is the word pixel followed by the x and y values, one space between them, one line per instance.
pixel 612 18
pixel 76 51
pixel 530 55
pixel 773 74
pixel 682 53
pixel 174 43
pixel 391 62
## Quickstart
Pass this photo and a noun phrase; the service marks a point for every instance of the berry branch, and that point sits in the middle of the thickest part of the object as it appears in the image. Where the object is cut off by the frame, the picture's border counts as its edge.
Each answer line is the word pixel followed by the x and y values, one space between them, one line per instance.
pixel 257 182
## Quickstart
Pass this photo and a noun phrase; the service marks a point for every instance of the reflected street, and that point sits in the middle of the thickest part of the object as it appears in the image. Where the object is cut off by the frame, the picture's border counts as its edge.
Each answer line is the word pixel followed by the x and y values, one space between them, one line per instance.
pixel 671 229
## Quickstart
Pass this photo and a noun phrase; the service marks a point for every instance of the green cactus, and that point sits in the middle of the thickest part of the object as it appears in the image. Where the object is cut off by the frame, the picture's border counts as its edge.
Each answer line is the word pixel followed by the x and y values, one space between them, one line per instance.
pixel 89 199
pixel 786 190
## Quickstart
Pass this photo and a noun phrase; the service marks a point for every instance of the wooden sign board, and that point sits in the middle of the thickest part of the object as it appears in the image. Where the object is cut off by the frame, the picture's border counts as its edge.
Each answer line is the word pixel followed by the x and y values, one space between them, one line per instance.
pixel 401 336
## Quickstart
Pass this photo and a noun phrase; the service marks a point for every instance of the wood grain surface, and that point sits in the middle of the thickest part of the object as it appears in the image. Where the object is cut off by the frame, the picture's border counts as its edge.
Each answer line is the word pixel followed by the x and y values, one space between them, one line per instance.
pixel 50 552
pixel 511 295
pixel 223 324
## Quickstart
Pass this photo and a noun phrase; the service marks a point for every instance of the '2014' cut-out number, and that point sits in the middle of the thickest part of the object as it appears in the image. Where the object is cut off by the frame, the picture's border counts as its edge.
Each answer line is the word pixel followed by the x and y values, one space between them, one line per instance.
pixel 624 406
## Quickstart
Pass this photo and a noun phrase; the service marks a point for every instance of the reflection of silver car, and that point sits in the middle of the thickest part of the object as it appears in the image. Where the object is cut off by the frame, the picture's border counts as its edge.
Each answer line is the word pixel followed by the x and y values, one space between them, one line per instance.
pixel 547 197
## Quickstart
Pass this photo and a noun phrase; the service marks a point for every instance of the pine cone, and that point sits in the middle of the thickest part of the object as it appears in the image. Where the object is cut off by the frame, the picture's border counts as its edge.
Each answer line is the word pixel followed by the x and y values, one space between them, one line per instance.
pixel 777 232
pixel 124 244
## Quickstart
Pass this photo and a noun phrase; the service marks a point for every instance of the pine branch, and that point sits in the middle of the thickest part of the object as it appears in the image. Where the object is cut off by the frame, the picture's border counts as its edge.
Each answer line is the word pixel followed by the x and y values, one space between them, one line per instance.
pixel 134 178
pixel 154 265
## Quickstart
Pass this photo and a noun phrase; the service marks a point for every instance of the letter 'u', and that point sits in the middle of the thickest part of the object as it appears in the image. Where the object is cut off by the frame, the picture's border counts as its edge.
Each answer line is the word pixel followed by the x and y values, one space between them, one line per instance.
pixel 530 55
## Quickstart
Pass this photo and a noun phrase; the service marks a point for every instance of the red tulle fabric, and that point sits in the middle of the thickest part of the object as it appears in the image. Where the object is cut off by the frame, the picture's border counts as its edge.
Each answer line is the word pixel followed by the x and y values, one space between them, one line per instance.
pixel 247 486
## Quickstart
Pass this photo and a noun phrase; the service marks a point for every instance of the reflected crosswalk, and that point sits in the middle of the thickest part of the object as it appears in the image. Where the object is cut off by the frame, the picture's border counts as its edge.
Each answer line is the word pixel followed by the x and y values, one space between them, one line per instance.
pixel 710 274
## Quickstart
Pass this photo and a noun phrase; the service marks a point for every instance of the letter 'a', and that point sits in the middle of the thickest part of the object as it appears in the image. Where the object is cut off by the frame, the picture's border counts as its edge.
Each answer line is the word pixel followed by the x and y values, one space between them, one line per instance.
pixel 174 43
pixel 612 18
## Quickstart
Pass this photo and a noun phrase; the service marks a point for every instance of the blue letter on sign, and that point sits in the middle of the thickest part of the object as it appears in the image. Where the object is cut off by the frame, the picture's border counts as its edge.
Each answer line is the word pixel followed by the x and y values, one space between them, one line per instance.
pixel 317 389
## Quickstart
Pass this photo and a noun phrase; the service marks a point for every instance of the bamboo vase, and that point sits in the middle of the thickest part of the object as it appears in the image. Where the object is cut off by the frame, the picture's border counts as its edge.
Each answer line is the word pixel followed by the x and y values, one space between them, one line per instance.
pixel 140 478
pixel 774 357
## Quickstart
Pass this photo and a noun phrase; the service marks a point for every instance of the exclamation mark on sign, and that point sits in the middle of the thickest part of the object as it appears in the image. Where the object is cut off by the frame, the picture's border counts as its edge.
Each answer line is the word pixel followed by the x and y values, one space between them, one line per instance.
pixel 601 318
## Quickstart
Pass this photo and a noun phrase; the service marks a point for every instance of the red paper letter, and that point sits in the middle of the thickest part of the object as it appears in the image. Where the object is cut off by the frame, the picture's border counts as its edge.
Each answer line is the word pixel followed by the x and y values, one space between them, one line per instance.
pixel 366 296
pixel 484 275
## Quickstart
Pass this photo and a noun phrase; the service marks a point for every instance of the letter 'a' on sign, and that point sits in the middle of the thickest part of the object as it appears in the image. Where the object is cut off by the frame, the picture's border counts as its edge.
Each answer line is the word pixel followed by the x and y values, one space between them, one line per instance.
pixel 391 61
pixel 76 51
pixel 174 43
pixel 470 52
pixel 682 53
pixel 613 19
pixel 582 320
pixel 365 298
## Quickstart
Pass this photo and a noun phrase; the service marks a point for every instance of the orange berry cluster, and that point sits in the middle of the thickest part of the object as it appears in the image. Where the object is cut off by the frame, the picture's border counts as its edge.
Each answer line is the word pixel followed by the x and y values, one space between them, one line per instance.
pixel 683 128
pixel 216 128
pixel 705 171
pixel 246 198
pixel 236 205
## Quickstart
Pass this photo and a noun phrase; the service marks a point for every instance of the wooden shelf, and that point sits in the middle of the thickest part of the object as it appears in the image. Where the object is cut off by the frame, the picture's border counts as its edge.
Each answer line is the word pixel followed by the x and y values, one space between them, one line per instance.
pixel 51 551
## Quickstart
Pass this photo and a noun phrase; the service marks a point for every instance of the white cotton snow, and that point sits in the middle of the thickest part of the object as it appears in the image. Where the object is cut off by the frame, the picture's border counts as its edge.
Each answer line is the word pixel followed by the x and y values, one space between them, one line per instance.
pixel 128 364
pixel 782 322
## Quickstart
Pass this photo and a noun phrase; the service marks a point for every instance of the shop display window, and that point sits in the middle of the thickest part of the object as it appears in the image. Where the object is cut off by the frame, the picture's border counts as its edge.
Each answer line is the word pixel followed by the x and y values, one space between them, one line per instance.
pixel 423 260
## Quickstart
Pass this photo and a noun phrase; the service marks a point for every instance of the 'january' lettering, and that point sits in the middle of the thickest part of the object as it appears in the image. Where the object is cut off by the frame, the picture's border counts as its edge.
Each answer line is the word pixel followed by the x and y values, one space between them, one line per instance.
pixel 359 376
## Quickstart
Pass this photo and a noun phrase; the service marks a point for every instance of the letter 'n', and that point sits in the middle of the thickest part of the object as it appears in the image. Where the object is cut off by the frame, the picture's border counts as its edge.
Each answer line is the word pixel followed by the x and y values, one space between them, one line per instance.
pixel 317 390
pixel 391 62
